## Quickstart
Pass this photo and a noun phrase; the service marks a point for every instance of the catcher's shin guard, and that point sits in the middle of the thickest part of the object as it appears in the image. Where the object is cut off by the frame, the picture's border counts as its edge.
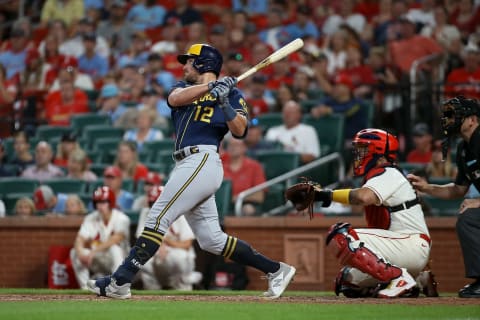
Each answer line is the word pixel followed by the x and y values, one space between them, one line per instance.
pixel 340 241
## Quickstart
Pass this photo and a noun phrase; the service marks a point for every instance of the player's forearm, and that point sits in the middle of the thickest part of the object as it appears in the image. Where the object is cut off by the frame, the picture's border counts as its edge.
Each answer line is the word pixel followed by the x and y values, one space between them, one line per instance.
pixel 183 96
pixel 446 191
pixel 238 125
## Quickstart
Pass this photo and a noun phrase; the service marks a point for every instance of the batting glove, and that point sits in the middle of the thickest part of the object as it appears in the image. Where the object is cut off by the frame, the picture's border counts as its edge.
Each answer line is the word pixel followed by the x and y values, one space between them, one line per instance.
pixel 220 91
pixel 229 81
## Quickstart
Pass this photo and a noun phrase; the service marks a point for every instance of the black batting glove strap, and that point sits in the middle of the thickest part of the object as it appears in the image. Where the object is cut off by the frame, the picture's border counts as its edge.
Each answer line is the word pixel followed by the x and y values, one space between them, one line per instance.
pixel 325 196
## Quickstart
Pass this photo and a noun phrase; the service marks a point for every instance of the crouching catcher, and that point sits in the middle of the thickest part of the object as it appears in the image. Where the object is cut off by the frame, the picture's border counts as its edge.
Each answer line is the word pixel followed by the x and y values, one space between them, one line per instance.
pixel 382 259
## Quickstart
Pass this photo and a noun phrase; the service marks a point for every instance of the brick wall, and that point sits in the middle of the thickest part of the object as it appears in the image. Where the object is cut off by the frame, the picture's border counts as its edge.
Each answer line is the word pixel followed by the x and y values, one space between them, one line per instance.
pixel 24 245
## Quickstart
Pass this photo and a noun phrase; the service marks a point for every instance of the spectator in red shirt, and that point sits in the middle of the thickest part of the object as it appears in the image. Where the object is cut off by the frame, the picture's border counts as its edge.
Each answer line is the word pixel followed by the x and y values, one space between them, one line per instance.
pixel 127 162
pixel 61 104
pixel 422 140
pixel 465 17
pixel 244 172
pixel 466 80
pixel 8 93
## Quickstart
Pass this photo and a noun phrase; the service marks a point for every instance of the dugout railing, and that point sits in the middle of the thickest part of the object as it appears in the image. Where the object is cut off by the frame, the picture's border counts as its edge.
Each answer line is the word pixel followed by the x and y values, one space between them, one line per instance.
pixel 288 177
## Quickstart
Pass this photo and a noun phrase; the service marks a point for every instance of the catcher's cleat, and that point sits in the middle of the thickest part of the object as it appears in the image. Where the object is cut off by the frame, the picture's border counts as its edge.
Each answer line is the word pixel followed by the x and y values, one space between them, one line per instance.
pixel 107 287
pixel 278 281
pixel 398 286
pixel 428 285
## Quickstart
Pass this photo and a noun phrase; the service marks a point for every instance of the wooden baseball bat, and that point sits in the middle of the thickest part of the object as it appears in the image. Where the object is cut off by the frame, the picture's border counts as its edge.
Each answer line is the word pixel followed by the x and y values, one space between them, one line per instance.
pixel 281 53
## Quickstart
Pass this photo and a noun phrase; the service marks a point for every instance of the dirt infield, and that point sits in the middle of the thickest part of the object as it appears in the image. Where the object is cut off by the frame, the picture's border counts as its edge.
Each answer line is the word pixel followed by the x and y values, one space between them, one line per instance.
pixel 243 298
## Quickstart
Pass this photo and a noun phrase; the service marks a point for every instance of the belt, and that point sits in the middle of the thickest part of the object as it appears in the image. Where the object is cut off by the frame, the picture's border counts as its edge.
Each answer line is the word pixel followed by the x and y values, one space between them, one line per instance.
pixel 404 206
pixel 425 237
pixel 185 152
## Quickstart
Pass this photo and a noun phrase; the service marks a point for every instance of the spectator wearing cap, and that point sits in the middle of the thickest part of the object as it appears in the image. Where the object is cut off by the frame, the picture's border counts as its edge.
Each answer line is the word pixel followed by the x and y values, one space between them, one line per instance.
pixel 144 131
pixel 235 64
pixel 69 11
pixel 186 13
pixel 255 139
pixel 171 32
pixel 465 80
pixel 343 102
pixel 109 102
pixel 411 46
pixel 43 169
pixel 259 99
pixel 303 25
pixel 295 136
pixel 128 163
pixel 137 54
pixel 80 80
pixel 77 166
pixel 13 59
pixel 146 14
pixel 90 62
pixel 69 100
pixel 48 202
pixel 422 144
pixel 157 77
pixel 74 46
pixel 152 180
pixel 116 30
pixel 112 178
pixel 68 143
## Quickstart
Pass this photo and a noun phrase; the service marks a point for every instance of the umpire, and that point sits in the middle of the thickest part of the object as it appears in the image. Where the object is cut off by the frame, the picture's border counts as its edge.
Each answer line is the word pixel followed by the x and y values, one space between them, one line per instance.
pixel 461 118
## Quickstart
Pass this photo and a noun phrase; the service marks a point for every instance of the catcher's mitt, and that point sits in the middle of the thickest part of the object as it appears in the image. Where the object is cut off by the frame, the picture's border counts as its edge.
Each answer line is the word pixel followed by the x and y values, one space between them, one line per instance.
pixel 302 195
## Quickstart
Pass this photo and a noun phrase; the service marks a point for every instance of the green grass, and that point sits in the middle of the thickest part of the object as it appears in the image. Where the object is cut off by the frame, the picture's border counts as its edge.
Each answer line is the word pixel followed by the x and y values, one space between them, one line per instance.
pixel 136 309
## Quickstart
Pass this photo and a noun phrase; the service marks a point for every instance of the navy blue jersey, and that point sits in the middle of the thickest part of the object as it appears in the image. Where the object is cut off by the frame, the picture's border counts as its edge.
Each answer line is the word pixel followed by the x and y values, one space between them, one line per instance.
pixel 203 122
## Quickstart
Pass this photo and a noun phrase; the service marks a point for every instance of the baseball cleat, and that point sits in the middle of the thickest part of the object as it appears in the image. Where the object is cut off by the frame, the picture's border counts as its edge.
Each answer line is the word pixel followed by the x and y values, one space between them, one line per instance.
pixel 398 286
pixel 107 287
pixel 278 281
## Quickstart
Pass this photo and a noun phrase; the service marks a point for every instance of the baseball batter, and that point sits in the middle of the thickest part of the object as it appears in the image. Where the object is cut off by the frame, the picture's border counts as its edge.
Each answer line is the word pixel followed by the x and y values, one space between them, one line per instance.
pixel 204 109
pixel 381 259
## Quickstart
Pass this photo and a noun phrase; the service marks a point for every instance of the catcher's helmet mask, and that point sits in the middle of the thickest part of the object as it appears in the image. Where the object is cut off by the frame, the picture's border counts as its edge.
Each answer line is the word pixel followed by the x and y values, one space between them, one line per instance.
pixel 206 58
pixel 369 145
pixel 455 111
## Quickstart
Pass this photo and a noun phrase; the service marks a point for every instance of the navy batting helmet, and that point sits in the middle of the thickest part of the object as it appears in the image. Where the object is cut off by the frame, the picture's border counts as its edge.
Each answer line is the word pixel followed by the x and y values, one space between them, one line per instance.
pixel 207 58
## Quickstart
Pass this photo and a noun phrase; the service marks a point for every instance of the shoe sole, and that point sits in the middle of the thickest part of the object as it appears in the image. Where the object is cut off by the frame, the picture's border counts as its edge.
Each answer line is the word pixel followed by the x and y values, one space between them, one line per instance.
pixel 94 289
pixel 404 291
pixel 288 279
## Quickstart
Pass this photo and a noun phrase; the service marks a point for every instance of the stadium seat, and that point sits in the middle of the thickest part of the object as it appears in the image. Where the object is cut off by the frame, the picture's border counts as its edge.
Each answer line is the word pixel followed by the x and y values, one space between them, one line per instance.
pixel 268 120
pixel 277 162
pixel 223 198
pixel 67 185
pixel 163 158
pixel 442 207
pixel 11 199
pixel 330 131
pixel 98 168
pixel 107 146
pixel 134 215
pixel 411 167
pixel 274 197
pixel 80 121
pixel 152 147
pixel 17 185
pixel 47 132
pixel 93 132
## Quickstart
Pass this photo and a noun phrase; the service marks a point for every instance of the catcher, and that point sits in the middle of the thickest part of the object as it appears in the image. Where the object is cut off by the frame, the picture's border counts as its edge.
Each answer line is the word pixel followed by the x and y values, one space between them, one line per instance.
pixel 383 259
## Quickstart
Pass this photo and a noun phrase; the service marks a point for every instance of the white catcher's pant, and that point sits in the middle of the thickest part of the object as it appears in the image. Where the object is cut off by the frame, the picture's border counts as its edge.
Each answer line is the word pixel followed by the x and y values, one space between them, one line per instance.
pixel 105 262
pixel 190 191
pixel 408 251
